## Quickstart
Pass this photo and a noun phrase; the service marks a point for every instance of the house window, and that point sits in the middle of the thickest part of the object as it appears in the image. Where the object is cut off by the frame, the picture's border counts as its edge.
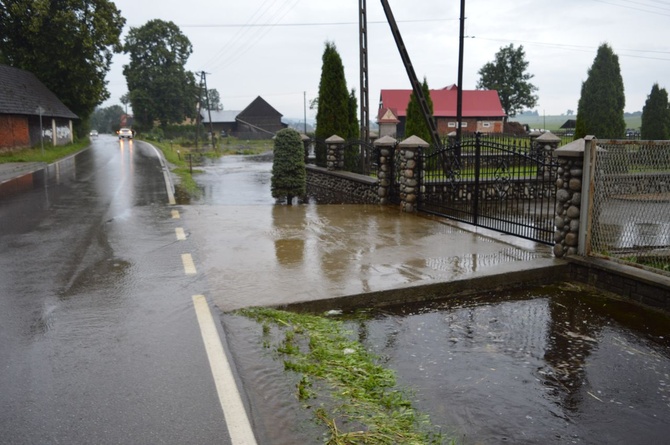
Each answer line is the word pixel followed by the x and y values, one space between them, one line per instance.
pixel 486 124
pixel 464 124
pixel 452 124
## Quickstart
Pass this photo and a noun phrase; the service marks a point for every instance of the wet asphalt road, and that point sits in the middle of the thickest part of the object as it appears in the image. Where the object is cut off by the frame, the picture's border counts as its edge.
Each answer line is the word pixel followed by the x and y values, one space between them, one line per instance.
pixel 99 342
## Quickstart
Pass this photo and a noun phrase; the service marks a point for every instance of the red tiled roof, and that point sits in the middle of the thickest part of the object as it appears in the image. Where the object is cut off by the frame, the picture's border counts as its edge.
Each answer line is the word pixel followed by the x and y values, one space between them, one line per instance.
pixel 476 103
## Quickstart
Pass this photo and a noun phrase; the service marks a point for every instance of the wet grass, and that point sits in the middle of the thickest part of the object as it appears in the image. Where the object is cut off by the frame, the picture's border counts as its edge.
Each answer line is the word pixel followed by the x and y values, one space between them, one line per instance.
pixel 50 154
pixel 355 398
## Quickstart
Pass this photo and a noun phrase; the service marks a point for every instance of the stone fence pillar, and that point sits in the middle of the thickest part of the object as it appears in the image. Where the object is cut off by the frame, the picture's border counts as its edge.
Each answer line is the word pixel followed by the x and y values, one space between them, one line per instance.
pixel 571 197
pixel 410 150
pixel 545 145
pixel 386 146
pixel 335 154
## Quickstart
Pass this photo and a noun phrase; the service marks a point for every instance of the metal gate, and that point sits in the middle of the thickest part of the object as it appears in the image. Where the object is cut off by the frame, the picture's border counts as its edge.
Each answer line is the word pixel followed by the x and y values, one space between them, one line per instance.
pixel 498 182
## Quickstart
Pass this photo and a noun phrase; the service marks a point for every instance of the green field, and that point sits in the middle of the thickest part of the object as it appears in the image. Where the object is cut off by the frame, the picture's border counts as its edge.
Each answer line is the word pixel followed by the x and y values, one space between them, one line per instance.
pixel 553 123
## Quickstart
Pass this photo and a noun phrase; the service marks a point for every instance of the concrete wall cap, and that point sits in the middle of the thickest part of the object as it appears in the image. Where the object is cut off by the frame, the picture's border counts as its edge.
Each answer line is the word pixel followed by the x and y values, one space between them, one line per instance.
pixel 414 141
pixel 386 141
pixel 548 136
pixel 334 139
pixel 575 147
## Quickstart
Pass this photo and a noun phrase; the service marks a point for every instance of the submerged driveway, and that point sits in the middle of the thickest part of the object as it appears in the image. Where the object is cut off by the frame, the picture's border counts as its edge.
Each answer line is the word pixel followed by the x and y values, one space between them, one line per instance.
pixel 257 253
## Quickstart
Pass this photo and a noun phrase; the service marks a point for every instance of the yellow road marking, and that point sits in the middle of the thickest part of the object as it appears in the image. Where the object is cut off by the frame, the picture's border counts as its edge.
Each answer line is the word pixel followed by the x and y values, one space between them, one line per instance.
pixel 234 413
pixel 181 236
pixel 189 265
pixel 175 214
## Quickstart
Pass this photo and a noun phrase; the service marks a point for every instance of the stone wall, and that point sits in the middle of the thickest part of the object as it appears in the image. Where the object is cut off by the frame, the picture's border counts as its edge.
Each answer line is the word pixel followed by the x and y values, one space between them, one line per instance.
pixel 633 283
pixel 340 187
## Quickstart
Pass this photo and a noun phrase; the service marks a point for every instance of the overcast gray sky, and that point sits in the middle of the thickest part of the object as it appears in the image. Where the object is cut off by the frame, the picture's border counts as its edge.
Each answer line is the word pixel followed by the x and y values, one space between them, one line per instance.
pixel 273 48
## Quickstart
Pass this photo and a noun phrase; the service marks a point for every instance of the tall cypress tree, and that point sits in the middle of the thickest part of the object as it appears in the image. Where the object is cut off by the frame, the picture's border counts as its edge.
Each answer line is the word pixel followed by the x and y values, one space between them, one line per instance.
pixel 656 115
pixel 601 104
pixel 415 124
pixel 332 116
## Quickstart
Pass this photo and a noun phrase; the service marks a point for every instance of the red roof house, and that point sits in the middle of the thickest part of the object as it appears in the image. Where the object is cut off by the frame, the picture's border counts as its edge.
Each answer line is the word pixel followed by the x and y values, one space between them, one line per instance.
pixel 482 110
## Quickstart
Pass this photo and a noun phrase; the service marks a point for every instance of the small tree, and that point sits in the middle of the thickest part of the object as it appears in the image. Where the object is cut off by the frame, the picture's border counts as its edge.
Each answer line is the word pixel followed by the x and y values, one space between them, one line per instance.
pixel 415 123
pixel 288 168
pixel 602 100
pixel 507 75
pixel 656 115
pixel 332 115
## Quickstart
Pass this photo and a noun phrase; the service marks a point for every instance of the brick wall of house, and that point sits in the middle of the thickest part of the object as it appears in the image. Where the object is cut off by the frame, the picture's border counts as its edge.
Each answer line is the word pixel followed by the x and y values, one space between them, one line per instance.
pixel 14 132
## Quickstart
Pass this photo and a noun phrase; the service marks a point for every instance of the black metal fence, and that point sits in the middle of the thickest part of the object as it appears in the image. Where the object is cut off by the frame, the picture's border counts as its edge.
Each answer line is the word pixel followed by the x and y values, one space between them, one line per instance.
pixel 504 183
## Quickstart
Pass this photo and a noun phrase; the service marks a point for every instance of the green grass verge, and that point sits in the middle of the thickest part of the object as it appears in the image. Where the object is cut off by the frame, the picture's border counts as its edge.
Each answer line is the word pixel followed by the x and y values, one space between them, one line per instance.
pixel 351 394
pixel 50 154
pixel 177 156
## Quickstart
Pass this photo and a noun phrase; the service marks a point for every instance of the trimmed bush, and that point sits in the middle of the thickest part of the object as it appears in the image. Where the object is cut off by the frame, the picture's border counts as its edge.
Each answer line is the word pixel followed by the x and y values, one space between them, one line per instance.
pixel 288 168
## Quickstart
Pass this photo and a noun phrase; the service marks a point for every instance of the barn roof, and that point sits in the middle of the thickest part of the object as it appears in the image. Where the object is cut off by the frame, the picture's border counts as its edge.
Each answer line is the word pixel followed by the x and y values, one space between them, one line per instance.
pixel 476 103
pixel 219 116
pixel 21 92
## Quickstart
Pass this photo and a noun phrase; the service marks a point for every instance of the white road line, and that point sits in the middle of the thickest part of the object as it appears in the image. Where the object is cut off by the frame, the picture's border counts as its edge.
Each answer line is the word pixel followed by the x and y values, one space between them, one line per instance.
pixel 189 265
pixel 175 214
pixel 234 413
pixel 181 236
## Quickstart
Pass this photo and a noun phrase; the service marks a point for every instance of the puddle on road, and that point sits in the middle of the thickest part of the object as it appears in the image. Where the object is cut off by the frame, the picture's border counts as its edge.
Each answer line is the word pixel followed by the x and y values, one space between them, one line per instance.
pixel 547 365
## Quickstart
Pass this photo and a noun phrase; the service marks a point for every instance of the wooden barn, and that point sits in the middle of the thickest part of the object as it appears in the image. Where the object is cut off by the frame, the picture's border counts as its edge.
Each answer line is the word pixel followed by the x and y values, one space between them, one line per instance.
pixel 30 114
pixel 259 120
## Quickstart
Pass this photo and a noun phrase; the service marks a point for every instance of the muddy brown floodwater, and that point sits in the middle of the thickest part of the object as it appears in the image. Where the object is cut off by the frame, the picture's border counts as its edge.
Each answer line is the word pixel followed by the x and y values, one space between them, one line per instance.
pixel 552 364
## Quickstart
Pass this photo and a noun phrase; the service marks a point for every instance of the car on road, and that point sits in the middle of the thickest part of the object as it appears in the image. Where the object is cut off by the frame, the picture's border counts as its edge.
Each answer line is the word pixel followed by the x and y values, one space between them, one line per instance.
pixel 94 133
pixel 125 133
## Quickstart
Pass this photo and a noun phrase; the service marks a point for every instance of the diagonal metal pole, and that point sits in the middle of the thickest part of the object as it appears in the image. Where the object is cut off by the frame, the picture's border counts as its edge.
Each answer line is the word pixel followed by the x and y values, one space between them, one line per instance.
pixel 416 86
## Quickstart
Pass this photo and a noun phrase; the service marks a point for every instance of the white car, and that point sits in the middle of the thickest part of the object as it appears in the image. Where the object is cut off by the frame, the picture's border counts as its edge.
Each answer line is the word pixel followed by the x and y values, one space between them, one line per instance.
pixel 125 133
pixel 94 133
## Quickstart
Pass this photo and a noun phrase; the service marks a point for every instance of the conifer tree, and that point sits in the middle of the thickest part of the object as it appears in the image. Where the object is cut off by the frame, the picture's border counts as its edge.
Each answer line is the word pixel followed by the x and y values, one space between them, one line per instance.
pixel 602 100
pixel 332 116
pixel 656 115
pixel 415 124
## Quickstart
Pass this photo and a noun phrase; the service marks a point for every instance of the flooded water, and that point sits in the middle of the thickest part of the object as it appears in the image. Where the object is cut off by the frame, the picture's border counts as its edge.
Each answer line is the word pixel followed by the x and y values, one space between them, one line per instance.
pixel 236 180
pixel 547 365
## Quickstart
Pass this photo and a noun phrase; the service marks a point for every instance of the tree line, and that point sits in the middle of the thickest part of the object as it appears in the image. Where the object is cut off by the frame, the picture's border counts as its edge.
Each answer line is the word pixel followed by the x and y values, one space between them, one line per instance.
pixel 68 45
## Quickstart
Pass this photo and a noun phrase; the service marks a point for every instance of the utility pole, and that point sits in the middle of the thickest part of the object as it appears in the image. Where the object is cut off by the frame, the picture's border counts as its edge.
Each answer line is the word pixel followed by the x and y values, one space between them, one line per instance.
pixel 416 85
pixel 197 112
pixel 459 93
pixel 304 104
pixel 209 108
pixel 363 41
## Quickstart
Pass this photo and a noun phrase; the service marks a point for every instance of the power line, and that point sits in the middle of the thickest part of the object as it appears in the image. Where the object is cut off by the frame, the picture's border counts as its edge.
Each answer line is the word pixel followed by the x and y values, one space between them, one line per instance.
pixel 245 46
pixel 633 7
pixel 583 48
pixel 281 25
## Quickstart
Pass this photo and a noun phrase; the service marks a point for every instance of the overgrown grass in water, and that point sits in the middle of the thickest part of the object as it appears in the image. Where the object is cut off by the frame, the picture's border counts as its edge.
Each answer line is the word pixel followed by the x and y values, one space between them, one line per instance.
pixel 358 400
